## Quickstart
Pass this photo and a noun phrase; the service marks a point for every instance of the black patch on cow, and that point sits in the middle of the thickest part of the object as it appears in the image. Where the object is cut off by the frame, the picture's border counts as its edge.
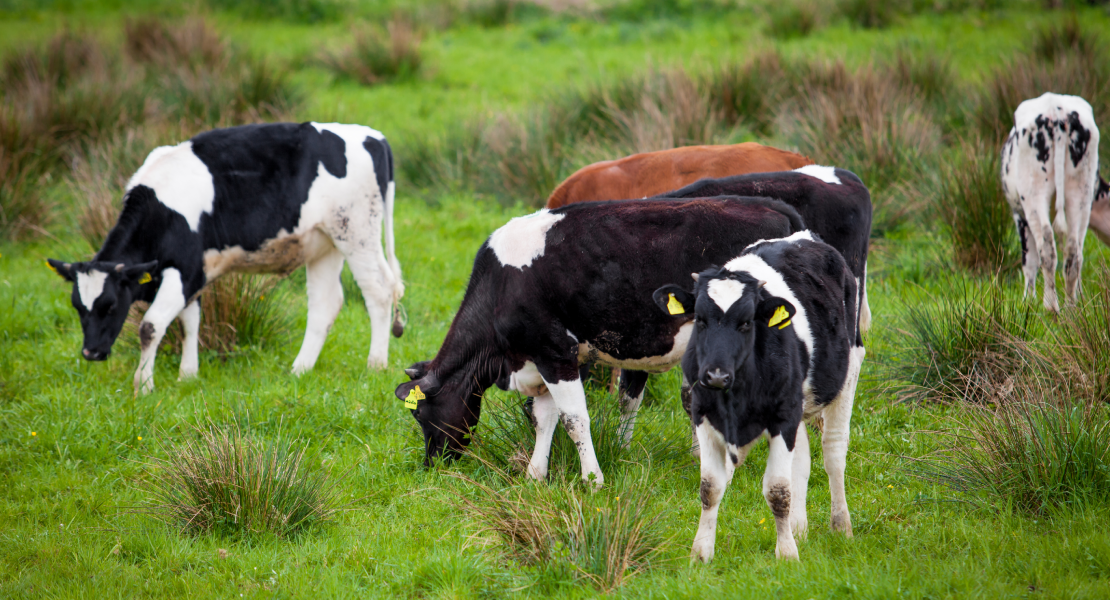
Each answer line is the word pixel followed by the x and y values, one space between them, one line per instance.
pixel 1041 139
pixel 778 498
pixel 1023 233
pixel 146 334
pixel 383 168
pixel 735 459
pixel 706 493
pixel 1078 139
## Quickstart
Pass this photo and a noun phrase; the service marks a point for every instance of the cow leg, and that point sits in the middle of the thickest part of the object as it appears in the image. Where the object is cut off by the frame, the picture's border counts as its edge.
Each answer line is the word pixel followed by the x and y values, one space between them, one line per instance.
pixel 1030 258
pixel 570 400
pixel 687 394
pixel 545 415
pixel 375 279
pixel 865 308
pixel 168 303
pixel 632 395
pixel 799 485
pixel 1077 208
pixel 716 473
pixel 834 442
pixel 325 298
pixel 190 361
pixel 776 490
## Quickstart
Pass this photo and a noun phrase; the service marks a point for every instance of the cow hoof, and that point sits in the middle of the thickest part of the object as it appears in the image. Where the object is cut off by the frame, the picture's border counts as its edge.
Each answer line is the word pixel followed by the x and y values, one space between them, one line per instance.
pixel 842 522
pixel 376 364
pixel 702 553
pixel 299 369
pixel 800 527
pixel 787 551
pixel 186 375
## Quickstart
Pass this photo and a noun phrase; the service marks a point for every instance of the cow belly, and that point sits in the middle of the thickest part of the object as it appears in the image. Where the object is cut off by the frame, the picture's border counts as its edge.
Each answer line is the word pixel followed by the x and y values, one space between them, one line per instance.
pixel 652 364
pixel 282 255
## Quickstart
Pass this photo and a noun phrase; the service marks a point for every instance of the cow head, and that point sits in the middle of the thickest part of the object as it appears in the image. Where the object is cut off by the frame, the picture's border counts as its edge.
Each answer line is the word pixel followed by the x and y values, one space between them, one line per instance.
pixel 729 310
pixel 447 411
pixel 102 294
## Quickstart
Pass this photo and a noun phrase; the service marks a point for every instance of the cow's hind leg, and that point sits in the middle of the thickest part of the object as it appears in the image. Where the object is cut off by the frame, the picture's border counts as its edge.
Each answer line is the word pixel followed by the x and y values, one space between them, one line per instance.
pixel 375 279
pixel 190 358
pixel 1030 258
pixel 834 442
pixel 168 303
pixel 716 473
pixel 1080 190
pixel 325 298
pixel 631 396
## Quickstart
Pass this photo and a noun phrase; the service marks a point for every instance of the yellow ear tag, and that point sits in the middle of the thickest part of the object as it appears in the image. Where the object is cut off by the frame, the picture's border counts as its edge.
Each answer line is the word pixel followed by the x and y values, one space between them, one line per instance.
pixel 144 279
pixel 414 395
pixel 674 306
pixel 50 266
pixel 780 316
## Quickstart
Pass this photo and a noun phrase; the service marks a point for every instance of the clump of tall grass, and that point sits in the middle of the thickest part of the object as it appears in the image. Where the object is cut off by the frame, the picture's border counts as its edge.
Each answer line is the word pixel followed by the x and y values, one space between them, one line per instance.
pixel 1035 451
pixel 968 345
pixel 794 19
pixel 872 14
pixel 974 209
pixel 227 482
pixel 379 54
pixel 606 538
pixel 1079 347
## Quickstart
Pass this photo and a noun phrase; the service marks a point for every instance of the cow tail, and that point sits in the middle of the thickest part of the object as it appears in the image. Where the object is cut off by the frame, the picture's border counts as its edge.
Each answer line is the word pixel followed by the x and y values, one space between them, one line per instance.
pixel 1060 152
pixel 390 246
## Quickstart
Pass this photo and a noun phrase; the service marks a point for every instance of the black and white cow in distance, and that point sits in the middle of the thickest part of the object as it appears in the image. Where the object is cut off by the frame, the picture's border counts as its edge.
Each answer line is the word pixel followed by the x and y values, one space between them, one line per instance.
pixel 774 345
pixel 833 202
pixel 256 198
pixel 1052 149
pixel 558 288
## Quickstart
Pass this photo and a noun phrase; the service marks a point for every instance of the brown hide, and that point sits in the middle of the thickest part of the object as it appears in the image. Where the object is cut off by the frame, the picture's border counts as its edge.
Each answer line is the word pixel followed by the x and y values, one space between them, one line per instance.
pixel 653 173
pixel 1100 219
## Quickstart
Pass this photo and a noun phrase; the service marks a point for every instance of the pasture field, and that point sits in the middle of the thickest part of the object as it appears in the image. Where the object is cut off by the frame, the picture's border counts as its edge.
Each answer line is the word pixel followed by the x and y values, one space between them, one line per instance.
pixel 77 447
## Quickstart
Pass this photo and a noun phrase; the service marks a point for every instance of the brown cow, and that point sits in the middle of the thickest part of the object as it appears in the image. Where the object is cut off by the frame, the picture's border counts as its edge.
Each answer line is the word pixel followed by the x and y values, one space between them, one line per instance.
pixel 652 173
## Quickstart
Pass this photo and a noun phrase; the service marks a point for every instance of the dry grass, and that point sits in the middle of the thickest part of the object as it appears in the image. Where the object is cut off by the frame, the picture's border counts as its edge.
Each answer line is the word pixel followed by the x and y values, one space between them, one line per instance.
pixel 606 542
pixel 379 55
pixel 226 481
pixel 974 209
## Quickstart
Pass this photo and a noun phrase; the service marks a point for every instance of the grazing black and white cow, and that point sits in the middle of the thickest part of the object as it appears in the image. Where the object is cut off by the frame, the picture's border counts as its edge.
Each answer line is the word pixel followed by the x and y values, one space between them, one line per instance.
pixel 774 345
pixel 256 198
pixel 1052 149
pixel 561 287
pixel 833 202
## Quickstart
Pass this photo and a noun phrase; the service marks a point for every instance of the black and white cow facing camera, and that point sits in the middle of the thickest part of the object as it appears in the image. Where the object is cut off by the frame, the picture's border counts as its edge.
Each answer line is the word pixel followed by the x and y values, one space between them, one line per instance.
pixel 260 199
pixel 774 344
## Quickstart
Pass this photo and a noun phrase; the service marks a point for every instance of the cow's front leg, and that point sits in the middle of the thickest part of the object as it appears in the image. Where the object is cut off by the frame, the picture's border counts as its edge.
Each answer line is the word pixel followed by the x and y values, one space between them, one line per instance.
pixel 190 359
pixel 545 415
pixel 632 386
pixel 168 303
pixel 776 490
pixel 325 298
pixel 570 400
pixel 717 468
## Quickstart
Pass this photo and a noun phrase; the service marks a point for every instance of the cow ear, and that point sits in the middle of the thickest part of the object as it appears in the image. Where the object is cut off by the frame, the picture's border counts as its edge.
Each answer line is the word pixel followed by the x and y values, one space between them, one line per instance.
pixel 674 300
pixel 66 270
pixel 140 273
pixel 429 385
pixel 775 311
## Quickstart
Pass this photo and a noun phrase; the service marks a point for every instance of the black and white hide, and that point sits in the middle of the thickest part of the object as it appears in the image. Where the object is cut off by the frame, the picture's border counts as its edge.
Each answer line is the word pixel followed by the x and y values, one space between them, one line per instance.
pixel 774 345
pixel 1052 150
pixel 558 288
pixel 833 202
pixel 258 198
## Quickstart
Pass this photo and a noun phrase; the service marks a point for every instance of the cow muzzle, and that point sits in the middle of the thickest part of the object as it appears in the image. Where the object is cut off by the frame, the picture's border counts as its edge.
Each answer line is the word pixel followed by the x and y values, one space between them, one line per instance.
pixel 717 379
pixel 96 355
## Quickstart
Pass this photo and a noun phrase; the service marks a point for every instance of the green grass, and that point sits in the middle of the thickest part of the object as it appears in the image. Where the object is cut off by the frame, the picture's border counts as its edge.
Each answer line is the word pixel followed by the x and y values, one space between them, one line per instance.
pixel 68 493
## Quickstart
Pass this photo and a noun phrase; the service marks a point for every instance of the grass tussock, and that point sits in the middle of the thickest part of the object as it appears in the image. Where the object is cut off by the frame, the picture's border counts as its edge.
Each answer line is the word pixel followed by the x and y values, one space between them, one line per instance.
pixel 227 482
pixel 77 90
pixel 379 54
pixel 975 211
pixel 606 539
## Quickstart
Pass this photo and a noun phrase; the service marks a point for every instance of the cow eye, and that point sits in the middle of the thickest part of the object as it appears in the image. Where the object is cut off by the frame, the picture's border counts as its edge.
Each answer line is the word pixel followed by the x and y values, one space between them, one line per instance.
pixel 700 322
pixel 745 327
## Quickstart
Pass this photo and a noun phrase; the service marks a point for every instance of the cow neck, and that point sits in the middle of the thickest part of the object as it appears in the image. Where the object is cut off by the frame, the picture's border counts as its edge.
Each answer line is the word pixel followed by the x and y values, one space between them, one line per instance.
pixel 470 357
pixel 119 246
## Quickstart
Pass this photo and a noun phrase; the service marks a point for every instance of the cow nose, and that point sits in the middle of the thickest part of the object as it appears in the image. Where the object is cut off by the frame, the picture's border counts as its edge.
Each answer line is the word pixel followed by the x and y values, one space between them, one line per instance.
pixel 94 354
pixel 718 379
pixel 86 352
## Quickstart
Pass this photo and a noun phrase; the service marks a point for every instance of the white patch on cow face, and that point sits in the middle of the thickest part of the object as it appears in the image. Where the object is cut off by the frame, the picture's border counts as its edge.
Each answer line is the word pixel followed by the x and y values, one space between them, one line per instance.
pixel 523 239
pixel 776 286
pixel 180 180
pixel 725 292
pixel 826 174
pixel 90 285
